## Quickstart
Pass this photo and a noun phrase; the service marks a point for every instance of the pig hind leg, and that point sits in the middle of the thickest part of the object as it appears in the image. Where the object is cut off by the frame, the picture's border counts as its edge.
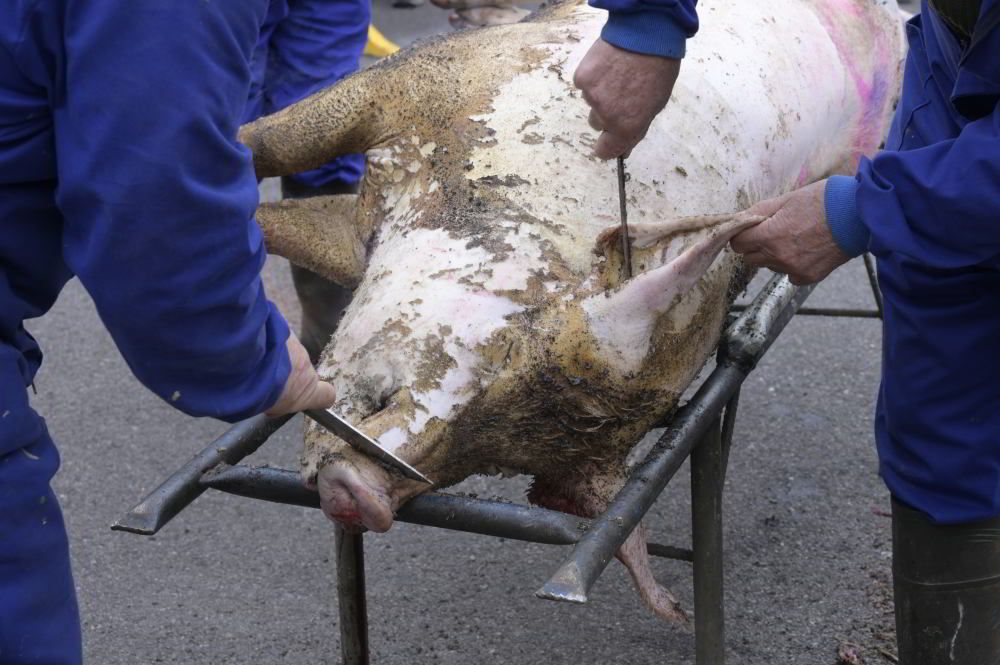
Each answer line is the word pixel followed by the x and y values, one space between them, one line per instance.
pixel 656 597
pixel 589 497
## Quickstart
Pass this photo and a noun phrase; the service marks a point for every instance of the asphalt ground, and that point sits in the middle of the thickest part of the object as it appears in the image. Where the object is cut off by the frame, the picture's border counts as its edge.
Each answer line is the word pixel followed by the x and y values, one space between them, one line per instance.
pixel 237 581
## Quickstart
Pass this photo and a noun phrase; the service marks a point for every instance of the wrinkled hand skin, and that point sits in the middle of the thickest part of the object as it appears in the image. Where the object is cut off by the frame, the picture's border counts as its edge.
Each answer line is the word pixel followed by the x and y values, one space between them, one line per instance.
pixel 794 237
pixel 303 388
pixel 625 91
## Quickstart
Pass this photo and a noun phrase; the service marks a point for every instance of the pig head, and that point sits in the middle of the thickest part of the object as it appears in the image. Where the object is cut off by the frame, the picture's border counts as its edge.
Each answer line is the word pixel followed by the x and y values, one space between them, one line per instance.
pixel 492 328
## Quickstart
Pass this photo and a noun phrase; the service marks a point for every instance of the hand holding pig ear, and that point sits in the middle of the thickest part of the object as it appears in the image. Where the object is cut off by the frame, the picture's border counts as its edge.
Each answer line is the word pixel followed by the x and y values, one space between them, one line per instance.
pixel 794 238
pixel 625 91
pixel 303 388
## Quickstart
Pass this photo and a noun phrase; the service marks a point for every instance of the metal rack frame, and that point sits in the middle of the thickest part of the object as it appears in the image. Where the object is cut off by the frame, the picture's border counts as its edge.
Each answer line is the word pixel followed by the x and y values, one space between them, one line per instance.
pixel 701 429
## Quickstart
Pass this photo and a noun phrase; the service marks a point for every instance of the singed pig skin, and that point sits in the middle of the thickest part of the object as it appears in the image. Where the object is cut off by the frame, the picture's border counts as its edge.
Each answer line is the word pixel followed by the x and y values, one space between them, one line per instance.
pixel 490 328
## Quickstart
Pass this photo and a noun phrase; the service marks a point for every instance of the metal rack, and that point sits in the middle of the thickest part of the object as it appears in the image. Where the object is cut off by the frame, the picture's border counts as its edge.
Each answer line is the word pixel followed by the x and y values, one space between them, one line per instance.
pixel 701 429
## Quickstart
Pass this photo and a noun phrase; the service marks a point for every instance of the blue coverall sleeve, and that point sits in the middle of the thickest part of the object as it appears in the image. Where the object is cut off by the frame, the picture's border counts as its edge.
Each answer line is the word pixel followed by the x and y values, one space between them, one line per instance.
pixel 159 198
pixel 937 204
pixel 652 27
pixel 317 44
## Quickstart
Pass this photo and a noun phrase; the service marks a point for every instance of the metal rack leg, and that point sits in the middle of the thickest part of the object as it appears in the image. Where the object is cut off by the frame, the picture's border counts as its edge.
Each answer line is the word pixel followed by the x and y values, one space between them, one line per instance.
pixel 707 478
pixel 351 597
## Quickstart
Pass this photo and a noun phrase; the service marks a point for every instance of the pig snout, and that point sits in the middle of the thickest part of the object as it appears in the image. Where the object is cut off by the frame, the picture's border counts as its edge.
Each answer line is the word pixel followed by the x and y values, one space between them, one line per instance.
pixel 355 497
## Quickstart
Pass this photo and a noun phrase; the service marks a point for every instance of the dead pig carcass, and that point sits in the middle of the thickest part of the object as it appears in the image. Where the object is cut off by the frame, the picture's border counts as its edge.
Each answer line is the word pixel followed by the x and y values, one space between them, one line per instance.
pixel 490 328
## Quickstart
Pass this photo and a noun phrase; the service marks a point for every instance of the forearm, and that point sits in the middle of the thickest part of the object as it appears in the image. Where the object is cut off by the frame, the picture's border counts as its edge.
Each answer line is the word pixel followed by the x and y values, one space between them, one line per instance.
pixel 158 199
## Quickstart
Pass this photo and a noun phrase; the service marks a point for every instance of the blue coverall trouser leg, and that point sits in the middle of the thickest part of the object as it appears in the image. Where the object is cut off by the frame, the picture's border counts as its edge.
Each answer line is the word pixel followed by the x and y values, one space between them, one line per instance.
pixel 119 164
pixel 39 619
pixel 938 424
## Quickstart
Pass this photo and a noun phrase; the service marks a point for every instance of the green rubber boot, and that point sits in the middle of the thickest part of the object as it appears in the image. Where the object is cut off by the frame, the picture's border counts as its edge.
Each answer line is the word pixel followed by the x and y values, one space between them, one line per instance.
pixel 947 586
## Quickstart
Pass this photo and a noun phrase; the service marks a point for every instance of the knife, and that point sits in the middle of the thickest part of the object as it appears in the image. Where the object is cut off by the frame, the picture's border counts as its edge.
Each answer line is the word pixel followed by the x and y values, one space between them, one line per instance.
pixel 363 443
pixel 626 243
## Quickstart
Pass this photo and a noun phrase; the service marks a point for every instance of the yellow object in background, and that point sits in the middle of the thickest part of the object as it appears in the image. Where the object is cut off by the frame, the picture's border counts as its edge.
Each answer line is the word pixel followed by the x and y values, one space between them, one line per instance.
pixel 378 46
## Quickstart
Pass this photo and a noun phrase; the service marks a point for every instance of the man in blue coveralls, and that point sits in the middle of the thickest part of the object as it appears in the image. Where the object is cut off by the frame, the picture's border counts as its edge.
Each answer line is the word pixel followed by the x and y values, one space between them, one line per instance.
pixel 304 46
pixel 119 164
pixel 928 208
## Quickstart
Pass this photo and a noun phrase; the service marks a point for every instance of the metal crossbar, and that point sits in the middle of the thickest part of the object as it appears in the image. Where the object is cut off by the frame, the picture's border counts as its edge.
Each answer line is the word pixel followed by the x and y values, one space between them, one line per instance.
pixel 702 430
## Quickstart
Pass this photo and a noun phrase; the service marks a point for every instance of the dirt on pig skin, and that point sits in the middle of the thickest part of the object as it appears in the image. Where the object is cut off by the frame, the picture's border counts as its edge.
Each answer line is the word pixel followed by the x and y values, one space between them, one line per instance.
pixel 489 330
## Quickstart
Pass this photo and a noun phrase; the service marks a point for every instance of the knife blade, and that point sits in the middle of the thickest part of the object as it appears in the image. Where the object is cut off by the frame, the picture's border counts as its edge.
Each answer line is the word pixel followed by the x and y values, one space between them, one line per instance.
pixel 626 243
pixel 363 443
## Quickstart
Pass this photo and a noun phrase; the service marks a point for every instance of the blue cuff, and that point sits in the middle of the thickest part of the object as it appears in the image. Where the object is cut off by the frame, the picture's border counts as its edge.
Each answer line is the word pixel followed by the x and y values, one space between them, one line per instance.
pixel 839 200
pixel 647 31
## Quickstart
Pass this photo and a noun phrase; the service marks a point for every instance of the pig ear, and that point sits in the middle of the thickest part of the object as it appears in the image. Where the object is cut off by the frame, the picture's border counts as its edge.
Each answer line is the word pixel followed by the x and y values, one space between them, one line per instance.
pixel 623 318
pixel 650 241
pixel 342 119
pixel 320 234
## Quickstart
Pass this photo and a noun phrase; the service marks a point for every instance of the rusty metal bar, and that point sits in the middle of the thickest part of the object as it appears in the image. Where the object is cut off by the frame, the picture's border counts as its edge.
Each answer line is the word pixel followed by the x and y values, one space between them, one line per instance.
pixel 446 511
pixel 574 579
pixel 707 480
pixel 728 426
pixel 749 337
pixel 839 312
pixel 184 486
pixel 744 343
pixel 351 597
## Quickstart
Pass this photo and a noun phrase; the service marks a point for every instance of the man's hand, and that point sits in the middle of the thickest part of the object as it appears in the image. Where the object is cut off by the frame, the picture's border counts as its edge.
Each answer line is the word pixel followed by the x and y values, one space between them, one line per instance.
pixel 625 91
pixel 303 389
pixel 794 239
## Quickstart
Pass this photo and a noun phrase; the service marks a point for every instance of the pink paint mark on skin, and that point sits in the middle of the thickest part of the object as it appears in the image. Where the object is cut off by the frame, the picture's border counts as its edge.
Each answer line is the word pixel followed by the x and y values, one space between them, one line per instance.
pixel 872 91
pixel 804 177
pixel 848 7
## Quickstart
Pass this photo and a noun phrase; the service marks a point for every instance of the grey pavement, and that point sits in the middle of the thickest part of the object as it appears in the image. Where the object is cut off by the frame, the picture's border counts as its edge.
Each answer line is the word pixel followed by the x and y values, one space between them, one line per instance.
pixel 237 581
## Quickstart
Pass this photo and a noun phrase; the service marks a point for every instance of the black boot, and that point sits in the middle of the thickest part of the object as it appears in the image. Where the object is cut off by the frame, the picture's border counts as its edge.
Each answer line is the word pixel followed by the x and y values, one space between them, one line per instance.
pixel 947 586
pixel 323 302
